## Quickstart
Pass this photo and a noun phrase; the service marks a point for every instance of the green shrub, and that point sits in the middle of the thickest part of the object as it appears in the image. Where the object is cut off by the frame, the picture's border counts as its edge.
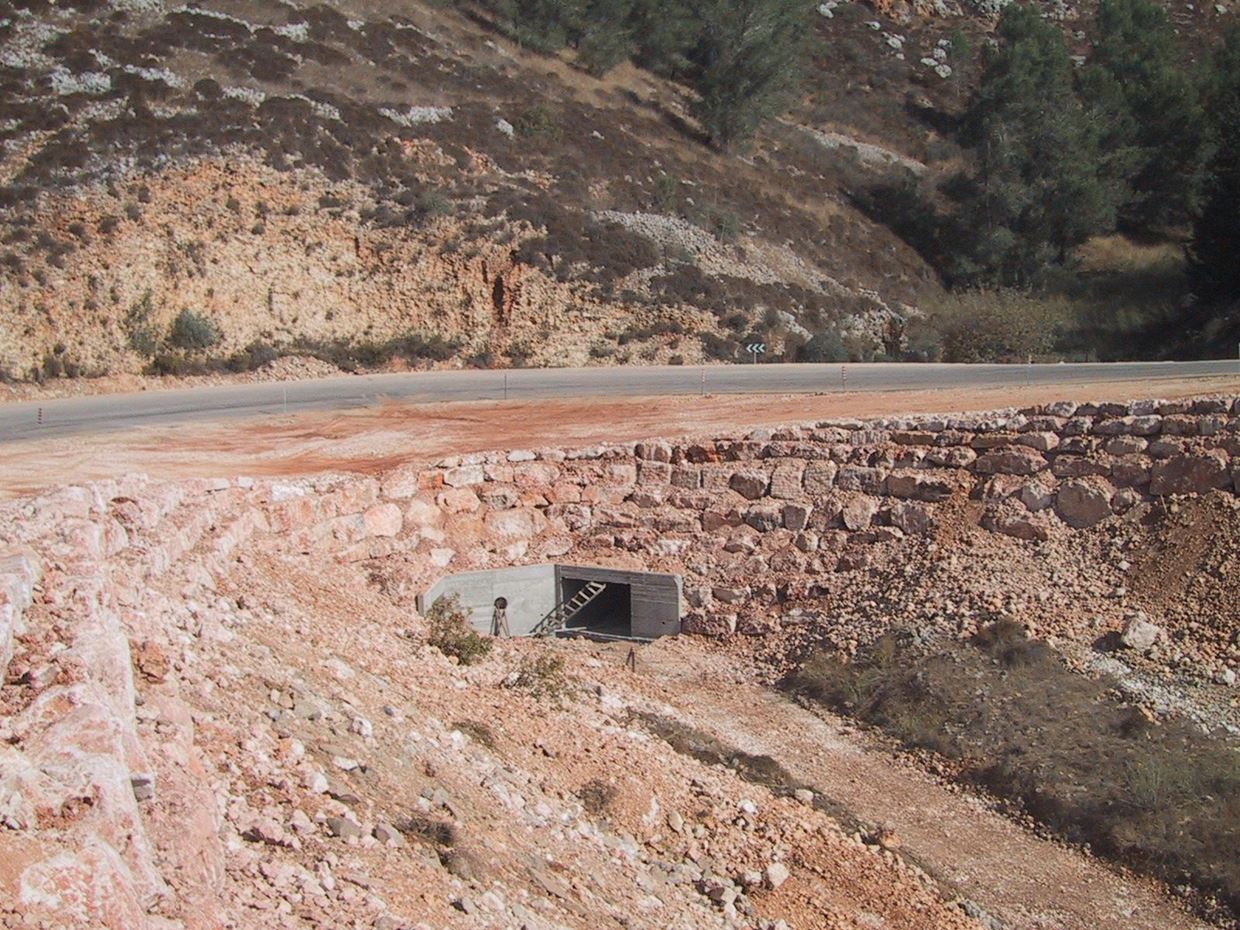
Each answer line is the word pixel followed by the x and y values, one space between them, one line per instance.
pixel 537 120
pixel 192 331
pixel 542 676
pixel 596 796
pixel 140 332
pixel 448 630
pixel 997 325
pixel 824 346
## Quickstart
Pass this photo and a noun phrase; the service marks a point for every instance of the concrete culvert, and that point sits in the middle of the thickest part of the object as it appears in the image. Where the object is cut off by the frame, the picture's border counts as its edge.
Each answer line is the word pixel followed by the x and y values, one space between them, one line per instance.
pixel 562 600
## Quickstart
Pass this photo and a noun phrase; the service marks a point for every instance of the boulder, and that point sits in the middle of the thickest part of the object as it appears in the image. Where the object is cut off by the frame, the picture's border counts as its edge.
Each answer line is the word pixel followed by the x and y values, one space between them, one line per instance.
pixel 1011 461
pixel 463 476
pixel 749 484
pixel 796 516
pixel 786 481
pixel 1082 503
pixel 765 517
pixel 858 511
pixel 861 478
pixel 516 523
pixel 1139 633
pixel 1036 496
pixel 912 518
pixel 1191 474
pixel 920 485
pixel 819 477
pixel 1010 520
pixel 385 519
pixel 1041 441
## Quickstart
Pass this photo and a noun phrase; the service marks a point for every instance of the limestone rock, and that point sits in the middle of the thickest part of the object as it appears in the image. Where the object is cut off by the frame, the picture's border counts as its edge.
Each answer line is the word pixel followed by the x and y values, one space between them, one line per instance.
pixel 776 874
pixel 750 484
pixel 383 520
pixel 858 511
pixel 1010 461
pixel 1191 474
pixel 1081 503
pixel 1139 633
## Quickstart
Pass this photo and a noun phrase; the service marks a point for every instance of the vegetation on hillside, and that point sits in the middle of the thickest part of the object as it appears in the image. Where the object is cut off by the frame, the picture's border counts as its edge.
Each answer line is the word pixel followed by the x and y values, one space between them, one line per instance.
pixel 1006 714
pixel 1134 140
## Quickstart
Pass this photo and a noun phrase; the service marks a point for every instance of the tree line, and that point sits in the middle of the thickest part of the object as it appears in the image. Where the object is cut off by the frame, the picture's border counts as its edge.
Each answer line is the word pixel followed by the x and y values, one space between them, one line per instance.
pixel 1133 139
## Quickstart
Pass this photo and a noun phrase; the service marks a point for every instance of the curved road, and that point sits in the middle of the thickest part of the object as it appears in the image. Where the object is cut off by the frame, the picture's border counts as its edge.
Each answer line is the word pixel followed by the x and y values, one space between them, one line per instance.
pixel 118 411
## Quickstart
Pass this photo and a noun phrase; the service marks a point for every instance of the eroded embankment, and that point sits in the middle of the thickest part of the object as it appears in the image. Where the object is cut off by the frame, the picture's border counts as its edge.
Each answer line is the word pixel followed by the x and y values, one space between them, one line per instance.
pixel 265 623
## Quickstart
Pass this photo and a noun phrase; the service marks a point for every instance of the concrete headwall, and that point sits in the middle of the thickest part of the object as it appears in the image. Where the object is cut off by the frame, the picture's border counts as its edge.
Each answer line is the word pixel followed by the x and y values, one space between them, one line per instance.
pixel 529 589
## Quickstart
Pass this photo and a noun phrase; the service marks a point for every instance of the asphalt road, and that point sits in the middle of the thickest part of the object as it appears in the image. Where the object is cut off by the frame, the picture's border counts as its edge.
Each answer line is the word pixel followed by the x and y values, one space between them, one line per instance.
pixel 153 408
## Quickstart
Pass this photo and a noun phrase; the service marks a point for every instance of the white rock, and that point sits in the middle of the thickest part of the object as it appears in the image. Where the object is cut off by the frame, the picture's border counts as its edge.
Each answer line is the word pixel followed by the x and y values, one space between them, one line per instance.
pixel 776 874
pixel 1139 633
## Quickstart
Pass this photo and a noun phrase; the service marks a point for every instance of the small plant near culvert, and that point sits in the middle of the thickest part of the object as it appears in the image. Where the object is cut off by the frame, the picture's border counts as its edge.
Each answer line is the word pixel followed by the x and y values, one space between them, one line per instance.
pixel 476 730
pixel 542 676
pixel 448 630
pixel 192 331
pixel 597 796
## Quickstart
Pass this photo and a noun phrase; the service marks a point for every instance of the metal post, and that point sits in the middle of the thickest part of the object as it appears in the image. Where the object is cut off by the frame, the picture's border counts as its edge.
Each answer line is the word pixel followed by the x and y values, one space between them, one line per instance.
pixel 284 389
pixel 703 380
pixel 39 418
pixel 505 385
pixel 843 379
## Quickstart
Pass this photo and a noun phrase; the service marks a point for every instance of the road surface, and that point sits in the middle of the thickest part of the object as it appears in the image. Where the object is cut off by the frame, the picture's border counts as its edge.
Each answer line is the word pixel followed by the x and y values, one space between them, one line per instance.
pixel 99 413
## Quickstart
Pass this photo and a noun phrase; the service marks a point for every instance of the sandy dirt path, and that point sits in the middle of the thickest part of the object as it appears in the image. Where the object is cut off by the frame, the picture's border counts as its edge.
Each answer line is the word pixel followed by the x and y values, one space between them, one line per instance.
pixel 1023 880
pixel 377 438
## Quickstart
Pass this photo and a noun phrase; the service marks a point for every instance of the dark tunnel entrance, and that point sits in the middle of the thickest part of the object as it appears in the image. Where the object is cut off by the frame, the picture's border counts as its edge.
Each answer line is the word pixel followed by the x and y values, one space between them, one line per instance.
pixel 610 613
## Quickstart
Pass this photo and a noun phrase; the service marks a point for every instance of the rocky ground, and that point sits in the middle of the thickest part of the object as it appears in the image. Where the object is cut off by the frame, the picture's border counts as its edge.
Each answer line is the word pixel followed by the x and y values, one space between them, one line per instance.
pixel 219 707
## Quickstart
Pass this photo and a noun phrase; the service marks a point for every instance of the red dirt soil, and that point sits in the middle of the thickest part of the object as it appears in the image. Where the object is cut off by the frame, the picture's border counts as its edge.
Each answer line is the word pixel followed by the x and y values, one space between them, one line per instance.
pixel 381 437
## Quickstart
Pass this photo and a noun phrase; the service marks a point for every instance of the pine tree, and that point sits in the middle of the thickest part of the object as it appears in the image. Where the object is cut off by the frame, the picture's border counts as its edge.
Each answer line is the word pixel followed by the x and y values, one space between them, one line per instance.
pixel 605 37
pixel 1041 185
pixel 748 55
pixel 1137 46
pixel 1214 253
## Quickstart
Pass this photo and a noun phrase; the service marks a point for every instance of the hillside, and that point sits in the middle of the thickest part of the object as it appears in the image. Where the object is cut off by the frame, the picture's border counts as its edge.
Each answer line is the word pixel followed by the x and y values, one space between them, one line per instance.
pixel 366 181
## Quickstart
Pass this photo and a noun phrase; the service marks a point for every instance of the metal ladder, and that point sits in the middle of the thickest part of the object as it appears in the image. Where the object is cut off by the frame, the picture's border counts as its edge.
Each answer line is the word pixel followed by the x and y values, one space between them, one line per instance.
pixel 564 611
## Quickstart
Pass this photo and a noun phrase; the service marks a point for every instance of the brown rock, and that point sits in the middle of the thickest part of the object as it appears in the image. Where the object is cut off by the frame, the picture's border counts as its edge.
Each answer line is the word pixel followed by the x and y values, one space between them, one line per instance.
pixel 750 483
pixel 151 662
pixel 912 518
pixel 796 516
pixel 921 486
pixel 858 511
pixel 1011 520
pixel 1191 474
pixel 1010 461
pixel 1081 503
pixel 819 477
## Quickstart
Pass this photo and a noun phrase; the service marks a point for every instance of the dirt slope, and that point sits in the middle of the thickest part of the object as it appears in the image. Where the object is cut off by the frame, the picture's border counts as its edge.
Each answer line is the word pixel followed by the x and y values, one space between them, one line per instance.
pixel 1019 878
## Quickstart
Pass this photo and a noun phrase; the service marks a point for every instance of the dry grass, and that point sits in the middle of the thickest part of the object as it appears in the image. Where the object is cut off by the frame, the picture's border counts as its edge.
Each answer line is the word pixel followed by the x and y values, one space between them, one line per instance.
pixel 1159 796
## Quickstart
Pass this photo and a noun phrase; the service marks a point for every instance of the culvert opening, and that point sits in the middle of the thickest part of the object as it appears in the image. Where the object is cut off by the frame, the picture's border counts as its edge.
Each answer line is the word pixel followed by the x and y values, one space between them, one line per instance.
pixel 564 600
pixel 609 613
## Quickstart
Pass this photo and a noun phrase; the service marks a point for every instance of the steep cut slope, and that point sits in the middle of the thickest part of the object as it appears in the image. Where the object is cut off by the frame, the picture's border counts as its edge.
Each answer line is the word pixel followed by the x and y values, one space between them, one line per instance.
pixel 357 173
